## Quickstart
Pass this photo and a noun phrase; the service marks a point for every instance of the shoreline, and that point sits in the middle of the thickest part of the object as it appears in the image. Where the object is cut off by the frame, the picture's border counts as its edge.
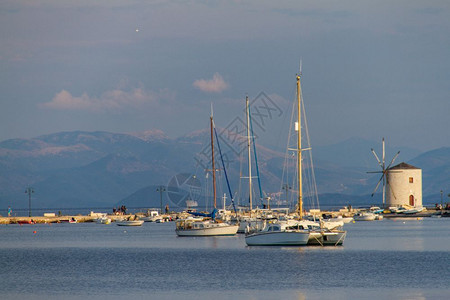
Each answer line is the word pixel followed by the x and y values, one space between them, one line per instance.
pixel 114 218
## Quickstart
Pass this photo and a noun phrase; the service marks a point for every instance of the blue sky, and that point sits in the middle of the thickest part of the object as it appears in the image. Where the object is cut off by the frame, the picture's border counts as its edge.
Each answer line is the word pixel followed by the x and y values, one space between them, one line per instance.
pixel 370 68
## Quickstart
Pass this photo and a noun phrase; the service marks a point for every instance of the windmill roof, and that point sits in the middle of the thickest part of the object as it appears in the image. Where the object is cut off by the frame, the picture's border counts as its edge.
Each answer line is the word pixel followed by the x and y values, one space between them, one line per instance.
pixel 403 166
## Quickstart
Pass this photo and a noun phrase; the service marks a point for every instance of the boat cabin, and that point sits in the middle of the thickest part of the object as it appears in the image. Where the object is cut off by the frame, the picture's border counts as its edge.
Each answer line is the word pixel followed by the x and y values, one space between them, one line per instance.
pixel 282 227
pixel 273 227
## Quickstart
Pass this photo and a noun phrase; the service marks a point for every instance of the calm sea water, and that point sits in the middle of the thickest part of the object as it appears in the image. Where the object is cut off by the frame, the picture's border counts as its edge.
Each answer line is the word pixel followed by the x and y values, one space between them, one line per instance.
pixel 381 259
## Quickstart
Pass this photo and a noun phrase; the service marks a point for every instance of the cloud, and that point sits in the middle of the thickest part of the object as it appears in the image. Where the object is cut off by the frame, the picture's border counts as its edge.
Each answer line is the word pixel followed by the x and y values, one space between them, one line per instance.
pixel 214 85
pixel 114 100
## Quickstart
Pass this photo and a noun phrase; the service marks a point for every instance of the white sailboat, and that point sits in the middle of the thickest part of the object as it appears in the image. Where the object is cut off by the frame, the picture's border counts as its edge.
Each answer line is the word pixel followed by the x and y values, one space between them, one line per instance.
pixel 319 234
pixel 252 219
pixel 281 233
pixel 211 227
pixel 278 234
pixel 297 232
pixel 200 227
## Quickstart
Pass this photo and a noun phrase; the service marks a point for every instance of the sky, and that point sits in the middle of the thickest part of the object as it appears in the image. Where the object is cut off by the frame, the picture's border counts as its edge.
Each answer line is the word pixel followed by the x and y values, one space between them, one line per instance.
pixel 370 69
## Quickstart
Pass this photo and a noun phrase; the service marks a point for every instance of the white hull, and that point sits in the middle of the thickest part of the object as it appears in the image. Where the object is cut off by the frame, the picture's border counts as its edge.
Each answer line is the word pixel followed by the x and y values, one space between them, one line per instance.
pixel 283 238
pixel 327 238
pixel 130 223
pixel 210 231
pixel 365 217
pixel 413 211
pixel 103 221
pixel 345 220
pixel 333 224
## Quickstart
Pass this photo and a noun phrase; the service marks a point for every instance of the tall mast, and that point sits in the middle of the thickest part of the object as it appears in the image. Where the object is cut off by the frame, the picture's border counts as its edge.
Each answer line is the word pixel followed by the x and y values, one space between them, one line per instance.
pixel 299 147
pixel 249 154
pixel 213 163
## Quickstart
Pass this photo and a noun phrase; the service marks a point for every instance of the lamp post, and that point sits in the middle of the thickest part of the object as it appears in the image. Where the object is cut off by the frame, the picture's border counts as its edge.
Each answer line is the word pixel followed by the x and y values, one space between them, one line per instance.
pixel 161 189
pixel 29 191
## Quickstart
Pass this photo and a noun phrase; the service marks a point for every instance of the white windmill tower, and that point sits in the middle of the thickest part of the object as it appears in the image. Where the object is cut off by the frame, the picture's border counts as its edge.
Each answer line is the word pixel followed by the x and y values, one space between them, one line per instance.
pixel 383 172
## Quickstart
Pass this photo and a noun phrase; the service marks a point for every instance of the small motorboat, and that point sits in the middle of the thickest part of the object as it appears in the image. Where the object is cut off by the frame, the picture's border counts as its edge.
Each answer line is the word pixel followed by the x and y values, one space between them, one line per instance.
pixel 130 223
pixel 364 216
pixel 103 220
pixel 414 210
pixel 152 216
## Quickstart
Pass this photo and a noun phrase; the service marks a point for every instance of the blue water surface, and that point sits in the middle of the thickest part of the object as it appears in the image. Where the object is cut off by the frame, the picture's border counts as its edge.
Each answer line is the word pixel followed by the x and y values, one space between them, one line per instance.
pixel 395 259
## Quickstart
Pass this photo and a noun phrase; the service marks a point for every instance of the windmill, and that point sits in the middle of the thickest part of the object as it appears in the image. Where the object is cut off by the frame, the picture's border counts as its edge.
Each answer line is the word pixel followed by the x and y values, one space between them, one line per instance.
pixel 383 172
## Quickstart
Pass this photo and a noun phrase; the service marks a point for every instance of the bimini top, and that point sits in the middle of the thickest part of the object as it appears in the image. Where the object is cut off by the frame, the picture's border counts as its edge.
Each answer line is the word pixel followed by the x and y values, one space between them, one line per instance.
pixel 403 166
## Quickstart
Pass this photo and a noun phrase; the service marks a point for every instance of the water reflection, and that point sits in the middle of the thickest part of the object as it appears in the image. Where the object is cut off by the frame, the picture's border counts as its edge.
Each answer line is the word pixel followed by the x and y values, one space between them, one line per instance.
pixel 102 261
pixel 400 234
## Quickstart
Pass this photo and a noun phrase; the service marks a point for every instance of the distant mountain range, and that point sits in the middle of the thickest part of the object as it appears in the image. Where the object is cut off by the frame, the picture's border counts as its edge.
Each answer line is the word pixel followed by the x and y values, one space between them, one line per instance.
pixel 103 169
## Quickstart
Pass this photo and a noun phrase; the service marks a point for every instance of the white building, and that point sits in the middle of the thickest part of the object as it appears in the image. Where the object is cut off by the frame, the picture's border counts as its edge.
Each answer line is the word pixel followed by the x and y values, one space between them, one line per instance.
pixel 404 185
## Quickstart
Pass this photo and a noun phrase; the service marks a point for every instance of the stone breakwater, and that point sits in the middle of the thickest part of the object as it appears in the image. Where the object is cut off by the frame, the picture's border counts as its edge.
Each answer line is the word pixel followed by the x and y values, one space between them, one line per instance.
pixel 61 219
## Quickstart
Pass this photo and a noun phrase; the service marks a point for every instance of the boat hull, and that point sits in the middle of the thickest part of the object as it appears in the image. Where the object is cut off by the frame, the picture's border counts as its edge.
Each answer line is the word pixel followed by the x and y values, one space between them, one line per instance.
pixel 105 221
pixel 214 231
pixel 364 217
pixel 327 238
pixel 288 238
pixel 130 223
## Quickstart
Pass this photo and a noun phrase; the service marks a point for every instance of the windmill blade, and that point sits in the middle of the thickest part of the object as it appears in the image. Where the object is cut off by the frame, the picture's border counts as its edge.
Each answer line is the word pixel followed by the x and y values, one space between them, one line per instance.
pixel 378 184
pixel 370 172
pixel 376 156
pixel 392 161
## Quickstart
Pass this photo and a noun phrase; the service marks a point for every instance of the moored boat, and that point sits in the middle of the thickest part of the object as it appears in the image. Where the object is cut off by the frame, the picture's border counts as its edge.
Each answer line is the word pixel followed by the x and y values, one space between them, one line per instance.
pixel 340 218
pixel 298 232
pixel 364 216
pixel 320 234
pixel 326 237
pixel 103 220
pixel 278 234
pixel 207 227
pixel 130 223
pixel 196 227
pixel 152 216
pixel 413 210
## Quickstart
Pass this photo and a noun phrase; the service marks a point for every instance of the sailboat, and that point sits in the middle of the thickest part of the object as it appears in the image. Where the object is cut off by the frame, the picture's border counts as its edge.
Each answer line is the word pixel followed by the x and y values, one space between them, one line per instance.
pixel 296 232
pixel 250 220
pixel 283 233
pixel 209 227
